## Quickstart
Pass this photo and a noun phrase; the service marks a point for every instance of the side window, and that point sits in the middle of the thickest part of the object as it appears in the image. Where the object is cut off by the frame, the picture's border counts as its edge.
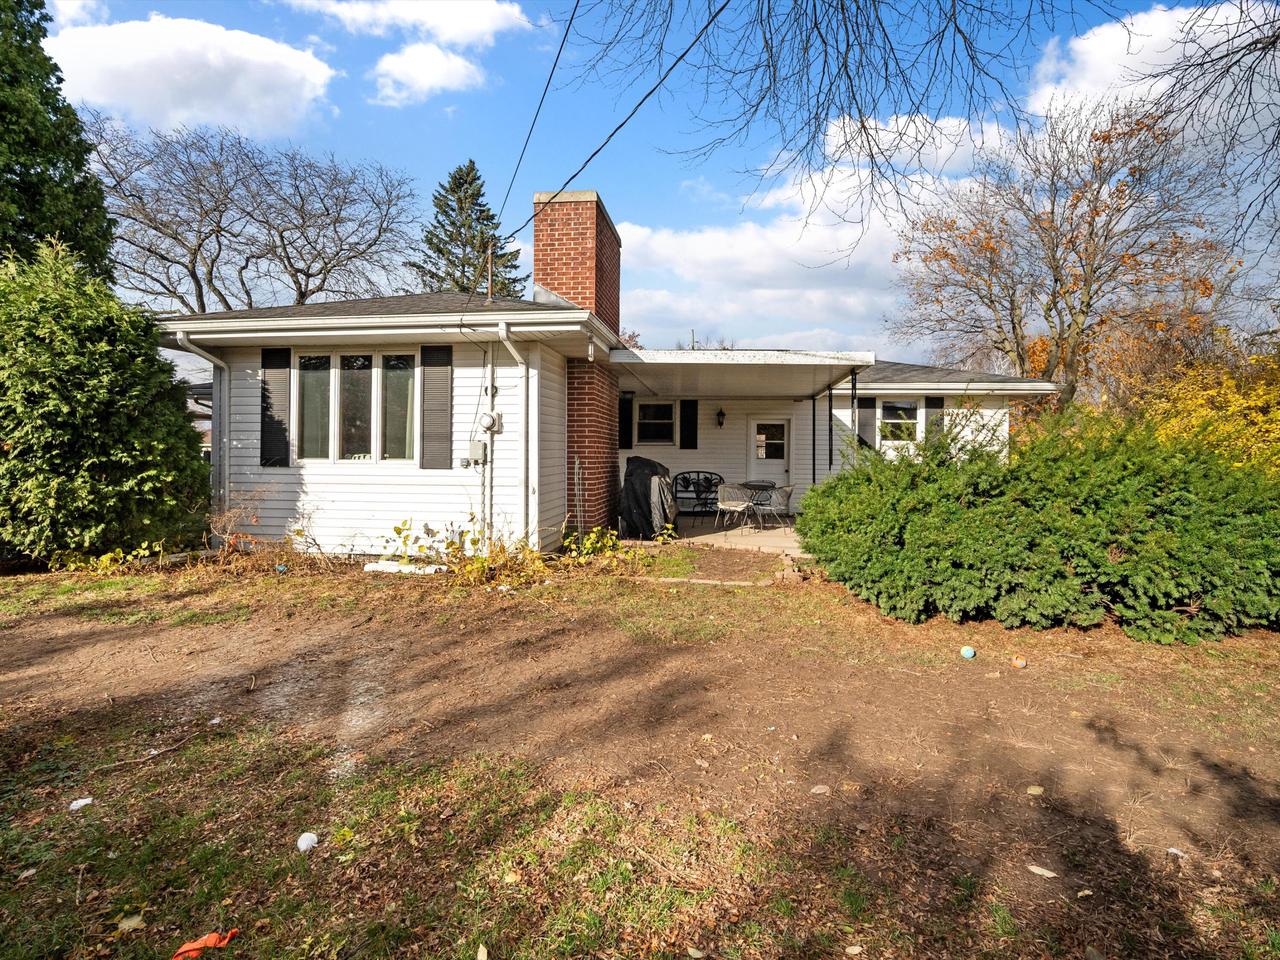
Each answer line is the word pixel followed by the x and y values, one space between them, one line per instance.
pixel 898 419
pixel 656 423
pixel 397 406
pixel 355 407
pixel 313 407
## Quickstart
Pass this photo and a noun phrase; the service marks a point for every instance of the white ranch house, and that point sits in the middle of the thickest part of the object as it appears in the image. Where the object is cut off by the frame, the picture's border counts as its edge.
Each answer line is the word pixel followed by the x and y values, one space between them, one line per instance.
pixel 346 418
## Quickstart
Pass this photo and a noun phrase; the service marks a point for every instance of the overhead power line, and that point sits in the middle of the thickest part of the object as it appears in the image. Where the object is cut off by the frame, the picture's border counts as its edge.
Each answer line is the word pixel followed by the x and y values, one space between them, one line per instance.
pixel 536 113
pixel 634 110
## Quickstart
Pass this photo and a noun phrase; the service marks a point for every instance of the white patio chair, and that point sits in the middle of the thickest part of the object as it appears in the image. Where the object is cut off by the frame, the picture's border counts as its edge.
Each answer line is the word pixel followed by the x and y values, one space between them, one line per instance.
pixel 733 499
pixel 778 505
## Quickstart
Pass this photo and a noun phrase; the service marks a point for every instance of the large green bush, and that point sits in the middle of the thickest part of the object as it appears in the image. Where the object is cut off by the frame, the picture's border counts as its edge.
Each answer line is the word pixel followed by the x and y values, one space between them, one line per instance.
pixel 1087 517
pixel 96 449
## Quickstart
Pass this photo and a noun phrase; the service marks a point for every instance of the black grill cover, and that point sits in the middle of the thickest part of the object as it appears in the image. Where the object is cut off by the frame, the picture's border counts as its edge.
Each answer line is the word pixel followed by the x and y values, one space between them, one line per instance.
pixel 637 499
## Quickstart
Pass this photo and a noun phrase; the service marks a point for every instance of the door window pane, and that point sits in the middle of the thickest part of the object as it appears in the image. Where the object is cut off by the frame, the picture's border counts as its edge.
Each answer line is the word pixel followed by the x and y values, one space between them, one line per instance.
pixel 397 407
pixel 771 441
pixel 656 423
pixel 355 407
pixel 898 420
pixel 313 407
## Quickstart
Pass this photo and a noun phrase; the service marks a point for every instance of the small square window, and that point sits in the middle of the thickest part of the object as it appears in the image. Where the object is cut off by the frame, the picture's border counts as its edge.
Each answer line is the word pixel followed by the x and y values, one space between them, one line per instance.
pixel 898 419
pixel 656 423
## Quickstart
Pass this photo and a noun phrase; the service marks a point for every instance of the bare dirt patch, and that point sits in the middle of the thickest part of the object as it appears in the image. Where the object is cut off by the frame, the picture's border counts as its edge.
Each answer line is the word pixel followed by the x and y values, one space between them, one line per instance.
pixel 916 787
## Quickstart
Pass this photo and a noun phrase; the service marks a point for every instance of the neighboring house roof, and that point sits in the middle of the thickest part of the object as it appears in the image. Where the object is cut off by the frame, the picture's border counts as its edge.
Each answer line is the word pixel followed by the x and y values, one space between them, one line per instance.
pixel 202 391
pixel 893 373
pixel 404 305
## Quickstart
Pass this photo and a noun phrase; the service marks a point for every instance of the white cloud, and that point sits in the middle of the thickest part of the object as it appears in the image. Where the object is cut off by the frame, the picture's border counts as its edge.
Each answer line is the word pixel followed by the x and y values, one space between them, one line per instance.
pixel 1120 58
pixel 457 23
pixel 420 70
pixel 74 13
pixel 765 281
pixel 166 72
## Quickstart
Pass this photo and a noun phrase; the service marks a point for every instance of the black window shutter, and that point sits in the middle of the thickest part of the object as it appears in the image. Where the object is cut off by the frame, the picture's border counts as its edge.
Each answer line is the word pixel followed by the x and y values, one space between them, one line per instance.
pixel 688 424
pixel 626 404
pixel 866 421
pixel 437 409
pixel 933 414
pixel 274 436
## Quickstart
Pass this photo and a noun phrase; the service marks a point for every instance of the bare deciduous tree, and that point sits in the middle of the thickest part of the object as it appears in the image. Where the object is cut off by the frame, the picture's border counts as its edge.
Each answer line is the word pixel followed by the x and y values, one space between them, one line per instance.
pixel 209 220
pixel 1224 86
pixel 1064 232
pixel 832 83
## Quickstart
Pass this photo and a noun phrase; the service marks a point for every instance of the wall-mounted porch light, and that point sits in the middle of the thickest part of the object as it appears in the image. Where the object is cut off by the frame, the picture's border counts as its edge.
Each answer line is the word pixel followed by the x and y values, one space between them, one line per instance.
pixel 720 417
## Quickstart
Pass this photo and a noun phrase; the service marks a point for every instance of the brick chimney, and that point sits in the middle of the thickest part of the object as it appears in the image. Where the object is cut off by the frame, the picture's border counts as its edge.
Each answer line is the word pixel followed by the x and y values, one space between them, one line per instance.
pixel 577 256
pixel 577 253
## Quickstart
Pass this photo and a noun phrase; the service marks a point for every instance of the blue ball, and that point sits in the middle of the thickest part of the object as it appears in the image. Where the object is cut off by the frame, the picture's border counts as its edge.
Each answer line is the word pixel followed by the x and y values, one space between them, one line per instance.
pixel 968 652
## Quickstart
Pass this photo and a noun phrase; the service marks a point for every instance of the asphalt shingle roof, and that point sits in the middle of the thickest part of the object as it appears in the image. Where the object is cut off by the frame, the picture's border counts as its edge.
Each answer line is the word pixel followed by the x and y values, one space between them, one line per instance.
pixel 888 372
pixel 410 304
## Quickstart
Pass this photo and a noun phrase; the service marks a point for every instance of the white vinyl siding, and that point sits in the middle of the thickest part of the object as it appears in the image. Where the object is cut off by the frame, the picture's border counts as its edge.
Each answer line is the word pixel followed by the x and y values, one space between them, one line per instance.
pixel 724 450
pixel 351 506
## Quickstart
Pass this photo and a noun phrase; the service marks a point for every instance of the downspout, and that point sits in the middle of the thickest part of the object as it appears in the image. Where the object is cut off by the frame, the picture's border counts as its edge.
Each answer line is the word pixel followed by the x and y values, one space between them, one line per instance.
pixel 504 334
pixel 220 411
pixel 853 412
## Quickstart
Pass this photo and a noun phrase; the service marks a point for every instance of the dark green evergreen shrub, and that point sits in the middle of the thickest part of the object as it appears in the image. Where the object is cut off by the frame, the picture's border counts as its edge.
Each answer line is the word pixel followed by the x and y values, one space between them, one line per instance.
pixel 1088 517
pixel 96 449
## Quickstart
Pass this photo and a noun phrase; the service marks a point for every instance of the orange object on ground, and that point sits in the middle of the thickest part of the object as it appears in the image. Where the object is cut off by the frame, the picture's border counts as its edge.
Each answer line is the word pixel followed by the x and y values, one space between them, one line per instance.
pixel 189 951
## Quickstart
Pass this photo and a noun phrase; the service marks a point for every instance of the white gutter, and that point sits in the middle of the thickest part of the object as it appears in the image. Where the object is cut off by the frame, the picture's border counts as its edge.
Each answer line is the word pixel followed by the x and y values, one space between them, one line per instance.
pixel 504 334
pixel 219 413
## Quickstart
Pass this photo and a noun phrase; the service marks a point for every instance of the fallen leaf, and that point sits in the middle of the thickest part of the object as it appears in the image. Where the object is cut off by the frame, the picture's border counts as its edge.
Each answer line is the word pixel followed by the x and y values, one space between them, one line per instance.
pixel 1041 871
pixel 1086 892
pixel 820 789
pixel 853 951
pixel 131 923
pixel 695 953
pixel 510 877
pixel 1035 791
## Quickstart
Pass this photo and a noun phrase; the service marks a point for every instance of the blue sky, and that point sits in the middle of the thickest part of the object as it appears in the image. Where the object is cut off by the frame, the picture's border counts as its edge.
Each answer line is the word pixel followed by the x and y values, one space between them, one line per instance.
pixel 423 86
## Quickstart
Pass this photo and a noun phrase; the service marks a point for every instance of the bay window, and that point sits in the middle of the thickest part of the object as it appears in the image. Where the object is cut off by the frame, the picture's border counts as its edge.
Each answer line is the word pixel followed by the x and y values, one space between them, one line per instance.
pixel 357 406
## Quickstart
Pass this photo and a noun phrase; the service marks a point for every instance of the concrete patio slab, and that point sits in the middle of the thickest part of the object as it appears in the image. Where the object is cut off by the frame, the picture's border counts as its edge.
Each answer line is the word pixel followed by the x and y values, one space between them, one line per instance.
pixel 702 531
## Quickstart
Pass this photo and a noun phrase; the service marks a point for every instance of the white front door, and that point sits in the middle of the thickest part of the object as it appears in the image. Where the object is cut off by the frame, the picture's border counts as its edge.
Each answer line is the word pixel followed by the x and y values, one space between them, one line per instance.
pixel 769 451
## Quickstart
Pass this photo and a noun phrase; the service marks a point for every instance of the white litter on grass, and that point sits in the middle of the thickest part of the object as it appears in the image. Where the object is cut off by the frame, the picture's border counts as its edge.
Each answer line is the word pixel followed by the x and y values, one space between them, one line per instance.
pixel 215 721
pixel 27 874
pixel 1041 871
pixel 1175 852
pixel 820 789
pixel 504 588
pixel 1035 791
pixel 307 842
pixel 79 804
pixel 852 951
pixel 394 566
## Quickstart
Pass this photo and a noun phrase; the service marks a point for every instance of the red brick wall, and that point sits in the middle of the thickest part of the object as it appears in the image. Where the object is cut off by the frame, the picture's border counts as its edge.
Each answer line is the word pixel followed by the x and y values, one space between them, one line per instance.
pixel 592 462
pixel 577 254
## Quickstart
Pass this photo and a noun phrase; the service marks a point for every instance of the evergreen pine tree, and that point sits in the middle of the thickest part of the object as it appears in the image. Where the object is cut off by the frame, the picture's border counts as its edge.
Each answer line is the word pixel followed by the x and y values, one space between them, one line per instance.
pixel 46 188
pixel 455 245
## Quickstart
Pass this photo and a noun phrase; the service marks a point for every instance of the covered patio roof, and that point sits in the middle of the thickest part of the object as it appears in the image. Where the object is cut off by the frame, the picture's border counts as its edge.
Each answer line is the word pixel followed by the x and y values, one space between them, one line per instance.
pixel 793 374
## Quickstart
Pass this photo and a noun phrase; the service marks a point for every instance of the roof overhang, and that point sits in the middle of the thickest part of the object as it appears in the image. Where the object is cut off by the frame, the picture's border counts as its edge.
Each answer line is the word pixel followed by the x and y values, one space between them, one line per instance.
pixel 791 374
pixel 575 333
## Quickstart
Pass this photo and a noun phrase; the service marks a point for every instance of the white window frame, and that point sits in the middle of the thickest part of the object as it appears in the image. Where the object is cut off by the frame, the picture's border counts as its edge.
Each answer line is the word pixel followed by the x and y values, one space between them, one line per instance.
pixel 375 419
pixel 881 441
pixel 675 422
